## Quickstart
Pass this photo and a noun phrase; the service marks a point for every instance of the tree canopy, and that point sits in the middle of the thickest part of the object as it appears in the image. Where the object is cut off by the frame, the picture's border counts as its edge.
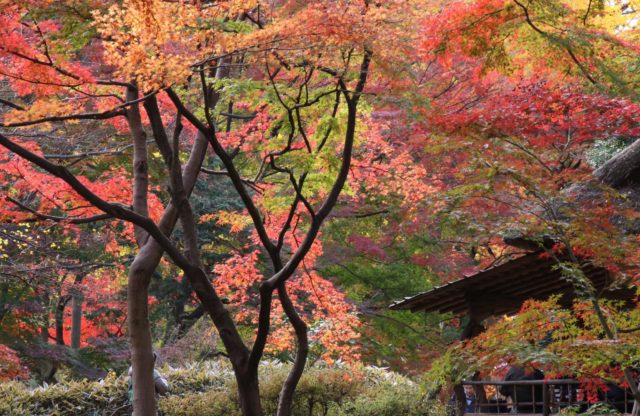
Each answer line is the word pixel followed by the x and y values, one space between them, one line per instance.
pixel 290 168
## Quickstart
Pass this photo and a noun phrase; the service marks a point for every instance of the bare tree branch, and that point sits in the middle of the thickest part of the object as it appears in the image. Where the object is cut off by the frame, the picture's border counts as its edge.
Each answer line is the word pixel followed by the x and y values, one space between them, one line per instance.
pixel 69 220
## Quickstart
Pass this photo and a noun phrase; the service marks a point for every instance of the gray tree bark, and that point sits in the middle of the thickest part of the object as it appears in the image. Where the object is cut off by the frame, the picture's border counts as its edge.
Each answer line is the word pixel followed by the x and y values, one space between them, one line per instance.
pixel 76 319
pixel 623 169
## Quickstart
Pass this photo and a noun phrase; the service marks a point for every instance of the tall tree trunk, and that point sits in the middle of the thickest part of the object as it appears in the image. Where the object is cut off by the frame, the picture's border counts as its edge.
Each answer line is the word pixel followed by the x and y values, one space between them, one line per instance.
pixel 249 392
pixel 76 318
pixel 76 296
pixel 62 304
pixel 144 400
pixel 140 163
pixel 49 368
pixel 140 273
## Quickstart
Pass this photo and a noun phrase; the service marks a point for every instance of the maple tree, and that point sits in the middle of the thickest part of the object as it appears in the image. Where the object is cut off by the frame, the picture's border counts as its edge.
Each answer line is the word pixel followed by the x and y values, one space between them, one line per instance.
pixel 161 55
pixel 497 123
pixel 426 130
pixel 47 270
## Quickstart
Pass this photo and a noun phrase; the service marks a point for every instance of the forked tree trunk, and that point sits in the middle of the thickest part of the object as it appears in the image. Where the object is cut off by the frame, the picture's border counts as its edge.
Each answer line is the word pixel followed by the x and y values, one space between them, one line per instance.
pixel 140 273
pixel 246 376
pixel 144 400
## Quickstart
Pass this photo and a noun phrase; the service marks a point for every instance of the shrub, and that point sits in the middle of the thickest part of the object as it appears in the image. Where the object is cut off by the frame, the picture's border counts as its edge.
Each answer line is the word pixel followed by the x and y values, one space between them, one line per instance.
pixel 108 396
pixel 198 377
pixel 214 402
pixel 388 400
pixel 209 389
pixel 319 389
pixel 10 365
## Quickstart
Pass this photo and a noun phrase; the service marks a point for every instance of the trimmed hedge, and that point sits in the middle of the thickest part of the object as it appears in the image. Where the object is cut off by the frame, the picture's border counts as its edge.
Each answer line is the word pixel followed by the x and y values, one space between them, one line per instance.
pixel 209 389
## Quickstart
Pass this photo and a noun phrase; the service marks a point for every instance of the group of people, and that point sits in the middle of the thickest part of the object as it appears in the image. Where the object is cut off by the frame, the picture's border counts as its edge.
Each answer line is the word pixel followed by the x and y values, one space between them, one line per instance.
pixel 509 398
pixel 525 398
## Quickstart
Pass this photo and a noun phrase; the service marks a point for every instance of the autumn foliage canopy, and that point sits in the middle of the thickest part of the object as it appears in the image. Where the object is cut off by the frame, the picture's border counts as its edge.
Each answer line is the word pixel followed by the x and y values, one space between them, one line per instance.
pixel 290 168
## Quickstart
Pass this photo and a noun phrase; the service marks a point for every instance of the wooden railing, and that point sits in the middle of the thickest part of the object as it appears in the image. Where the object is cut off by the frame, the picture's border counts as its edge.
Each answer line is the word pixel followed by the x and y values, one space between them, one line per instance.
pixel 542 397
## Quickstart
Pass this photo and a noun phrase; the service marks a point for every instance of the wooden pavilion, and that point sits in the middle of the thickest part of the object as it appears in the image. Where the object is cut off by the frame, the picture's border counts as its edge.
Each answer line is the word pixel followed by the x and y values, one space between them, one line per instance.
pixel 502 289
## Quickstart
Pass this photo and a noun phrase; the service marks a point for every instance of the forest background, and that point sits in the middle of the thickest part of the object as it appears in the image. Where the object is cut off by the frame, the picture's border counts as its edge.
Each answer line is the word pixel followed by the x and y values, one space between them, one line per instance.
pixel 252 180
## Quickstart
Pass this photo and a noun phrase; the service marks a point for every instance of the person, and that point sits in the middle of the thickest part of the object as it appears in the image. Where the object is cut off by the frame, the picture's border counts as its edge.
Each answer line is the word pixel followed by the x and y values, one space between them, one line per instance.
pixel 495 401
pixel 523 394
pixel 161 384
pixel 470 399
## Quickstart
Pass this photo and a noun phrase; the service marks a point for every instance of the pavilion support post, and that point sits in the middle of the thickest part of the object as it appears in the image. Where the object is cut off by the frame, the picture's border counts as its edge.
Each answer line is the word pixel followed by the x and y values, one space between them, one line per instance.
pixel 461 399
pixel 472 329
pixel 481 395
pixel 546 400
